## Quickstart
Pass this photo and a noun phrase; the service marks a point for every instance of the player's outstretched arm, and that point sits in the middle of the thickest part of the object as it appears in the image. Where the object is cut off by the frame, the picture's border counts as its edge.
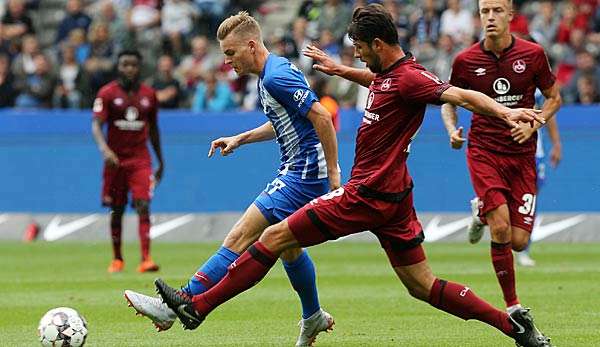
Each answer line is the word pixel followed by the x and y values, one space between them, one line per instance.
pixel 326 64
pixel 109 156
pixel 228 144
pixel 321 120
pixel 480 103
pixel 450 117
pixel 551 105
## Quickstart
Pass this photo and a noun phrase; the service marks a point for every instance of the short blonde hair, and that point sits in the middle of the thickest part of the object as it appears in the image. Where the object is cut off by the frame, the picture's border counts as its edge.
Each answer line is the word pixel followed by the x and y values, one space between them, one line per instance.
pixel 239 24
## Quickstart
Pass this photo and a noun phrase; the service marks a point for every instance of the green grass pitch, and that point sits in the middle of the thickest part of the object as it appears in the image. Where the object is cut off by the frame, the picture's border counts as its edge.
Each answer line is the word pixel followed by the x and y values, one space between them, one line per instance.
pixel 356 285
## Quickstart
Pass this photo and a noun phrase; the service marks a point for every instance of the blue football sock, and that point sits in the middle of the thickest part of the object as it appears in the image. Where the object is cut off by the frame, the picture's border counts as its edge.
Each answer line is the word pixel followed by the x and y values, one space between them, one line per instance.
pixel 301 273
pixel 211 272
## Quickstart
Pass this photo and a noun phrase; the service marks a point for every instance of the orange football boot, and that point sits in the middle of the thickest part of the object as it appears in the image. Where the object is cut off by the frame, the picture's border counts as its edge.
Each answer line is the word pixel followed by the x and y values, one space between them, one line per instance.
pixel 116 265
pixel 147 266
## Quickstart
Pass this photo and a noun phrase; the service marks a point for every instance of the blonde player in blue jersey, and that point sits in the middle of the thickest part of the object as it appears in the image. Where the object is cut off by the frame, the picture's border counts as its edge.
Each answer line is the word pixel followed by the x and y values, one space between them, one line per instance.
pixel 306 137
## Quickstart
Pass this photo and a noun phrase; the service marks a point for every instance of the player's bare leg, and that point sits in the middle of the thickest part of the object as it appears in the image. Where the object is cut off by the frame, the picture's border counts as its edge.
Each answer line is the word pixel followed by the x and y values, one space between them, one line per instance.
pixel 501 252
pixel 116 220
pixel 460 301
pixel 142 208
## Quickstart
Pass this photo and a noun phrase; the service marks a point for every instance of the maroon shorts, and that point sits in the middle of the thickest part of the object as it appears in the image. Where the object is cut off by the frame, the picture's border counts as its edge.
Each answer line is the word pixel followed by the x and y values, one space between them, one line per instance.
pixel 134 176
pixel 505 179
pixel 347 211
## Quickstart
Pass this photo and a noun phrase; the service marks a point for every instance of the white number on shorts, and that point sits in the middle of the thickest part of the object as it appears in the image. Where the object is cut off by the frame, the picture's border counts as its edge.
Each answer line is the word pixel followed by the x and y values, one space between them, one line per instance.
pixel 329 196
pixel 528 206
pixel 276 184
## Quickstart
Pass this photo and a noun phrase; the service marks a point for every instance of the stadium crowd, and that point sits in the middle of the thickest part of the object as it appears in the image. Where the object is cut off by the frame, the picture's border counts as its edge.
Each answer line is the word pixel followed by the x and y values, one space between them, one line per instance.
pixel 183 63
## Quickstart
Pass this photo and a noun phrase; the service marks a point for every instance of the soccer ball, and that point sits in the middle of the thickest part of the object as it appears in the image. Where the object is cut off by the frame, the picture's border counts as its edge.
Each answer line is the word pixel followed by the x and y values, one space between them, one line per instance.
pixel 62 327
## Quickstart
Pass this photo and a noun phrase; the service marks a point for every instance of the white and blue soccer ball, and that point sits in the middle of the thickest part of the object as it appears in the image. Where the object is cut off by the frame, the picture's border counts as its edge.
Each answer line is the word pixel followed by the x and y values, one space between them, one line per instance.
pixel 62 327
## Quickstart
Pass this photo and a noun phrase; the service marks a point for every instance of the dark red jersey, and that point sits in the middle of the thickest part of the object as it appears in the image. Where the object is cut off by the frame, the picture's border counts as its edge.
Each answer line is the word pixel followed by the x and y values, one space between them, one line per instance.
pixel 128 117
pixel 511 80
pixel 394 112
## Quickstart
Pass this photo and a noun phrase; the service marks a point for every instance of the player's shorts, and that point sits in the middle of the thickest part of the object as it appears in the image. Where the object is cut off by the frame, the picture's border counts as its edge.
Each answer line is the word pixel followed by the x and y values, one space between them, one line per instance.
pixel 505 179
pixel 285 194
pixel 133 176
pixel 352 209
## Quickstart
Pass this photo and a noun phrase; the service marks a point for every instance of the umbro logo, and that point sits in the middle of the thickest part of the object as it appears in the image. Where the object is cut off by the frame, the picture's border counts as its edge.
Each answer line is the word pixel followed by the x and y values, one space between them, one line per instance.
pixel 480 72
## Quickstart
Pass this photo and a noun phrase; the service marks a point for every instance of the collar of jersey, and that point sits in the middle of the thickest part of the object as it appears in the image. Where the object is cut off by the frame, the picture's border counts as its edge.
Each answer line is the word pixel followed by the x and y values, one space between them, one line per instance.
pixel 398 62
pixel 487 51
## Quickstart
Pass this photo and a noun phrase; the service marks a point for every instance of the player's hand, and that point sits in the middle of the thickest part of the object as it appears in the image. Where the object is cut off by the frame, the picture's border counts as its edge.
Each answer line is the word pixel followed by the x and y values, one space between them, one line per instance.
pixel 456 139
pixel 226 144
pixel 556 155
pixel 335 179
pixel 110 158
pixel 515 115
pixel 158 174
pixel 324 62
pixel 522 132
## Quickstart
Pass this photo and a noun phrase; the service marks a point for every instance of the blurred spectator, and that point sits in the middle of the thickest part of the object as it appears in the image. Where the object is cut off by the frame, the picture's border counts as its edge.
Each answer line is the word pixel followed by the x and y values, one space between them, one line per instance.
pixel 544 25
pixel 67 95
pixel 105 11
pixel 37 89
pixel 328 101
pixel 330 45
pixel 401 21
pixel 212 95
pixel 335 17
pixel 310 10
pixel 426 27
pixel 343 90
pixel 168 90
pixel 567 22
pixel 587 90
pixel 211 13
pixel 143 21
pixel 7 88
pixel 23 64
pixel 144 14
pixel 16 22
pixel 585 65
pixel 445 53
pixel 78 40
pixel 457 22
pixel 75 19
pixel 101 44
pixel 519 25
pixel 200 61
pixel 177 24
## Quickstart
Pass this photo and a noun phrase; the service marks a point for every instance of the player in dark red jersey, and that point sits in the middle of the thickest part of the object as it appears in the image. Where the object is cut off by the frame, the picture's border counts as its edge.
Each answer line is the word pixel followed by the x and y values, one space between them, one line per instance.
pixel 130 109
pixel 378 196
pixel 501 159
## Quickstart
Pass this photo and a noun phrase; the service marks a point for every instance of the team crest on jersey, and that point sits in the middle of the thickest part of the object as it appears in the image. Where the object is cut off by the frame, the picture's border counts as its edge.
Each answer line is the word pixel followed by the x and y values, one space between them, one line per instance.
pixel 118 101
pixel 370 99
pixel 385 85
pixel 501 86
pixel 145 102
pixel 519 66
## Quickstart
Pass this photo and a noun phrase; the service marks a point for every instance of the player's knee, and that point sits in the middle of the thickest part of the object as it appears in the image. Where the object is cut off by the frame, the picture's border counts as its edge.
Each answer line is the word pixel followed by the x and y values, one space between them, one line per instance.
pixel 500 229
pixel 519 243
pixel 290 255
pixel 116 215
pixel 278 237
pixel 142 207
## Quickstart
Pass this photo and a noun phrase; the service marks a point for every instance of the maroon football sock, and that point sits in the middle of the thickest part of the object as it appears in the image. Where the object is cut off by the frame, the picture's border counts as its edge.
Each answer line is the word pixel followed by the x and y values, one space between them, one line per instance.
pixel 503 261
pixel 115 236
pixel 144 233
pixel 460 301
pixel 242 274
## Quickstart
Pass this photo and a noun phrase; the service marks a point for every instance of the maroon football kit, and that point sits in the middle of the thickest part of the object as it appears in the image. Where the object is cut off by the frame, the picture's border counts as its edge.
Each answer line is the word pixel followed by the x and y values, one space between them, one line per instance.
pixel 128 116
pixel 378 196
pixel 503 171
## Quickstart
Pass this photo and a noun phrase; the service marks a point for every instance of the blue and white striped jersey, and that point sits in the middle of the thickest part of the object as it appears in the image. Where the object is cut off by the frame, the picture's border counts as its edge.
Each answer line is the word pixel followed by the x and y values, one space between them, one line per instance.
pixel 286 98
